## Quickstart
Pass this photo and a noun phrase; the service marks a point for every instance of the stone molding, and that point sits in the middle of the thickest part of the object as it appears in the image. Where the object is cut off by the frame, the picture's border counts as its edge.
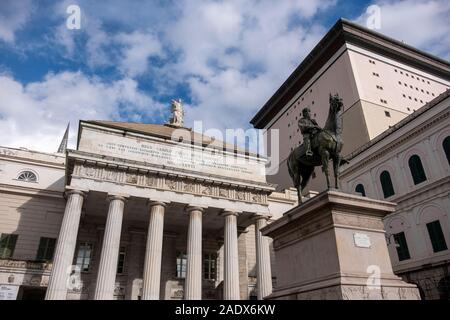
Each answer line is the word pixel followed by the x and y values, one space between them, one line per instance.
pixel 169 182
pixel 25 265
pixel 393 147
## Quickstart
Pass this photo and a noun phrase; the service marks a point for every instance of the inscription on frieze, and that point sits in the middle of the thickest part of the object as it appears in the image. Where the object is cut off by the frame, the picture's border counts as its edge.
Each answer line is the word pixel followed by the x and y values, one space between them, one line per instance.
pixel 181 156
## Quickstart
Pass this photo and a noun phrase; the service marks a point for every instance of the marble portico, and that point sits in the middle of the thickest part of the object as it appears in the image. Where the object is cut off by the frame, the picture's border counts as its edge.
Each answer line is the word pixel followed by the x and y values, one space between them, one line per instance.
pixel 124 194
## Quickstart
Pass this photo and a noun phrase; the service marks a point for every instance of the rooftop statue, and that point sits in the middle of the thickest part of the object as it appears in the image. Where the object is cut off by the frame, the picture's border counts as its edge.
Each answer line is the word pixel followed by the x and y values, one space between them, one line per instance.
pixel 177 113
pixel 319 146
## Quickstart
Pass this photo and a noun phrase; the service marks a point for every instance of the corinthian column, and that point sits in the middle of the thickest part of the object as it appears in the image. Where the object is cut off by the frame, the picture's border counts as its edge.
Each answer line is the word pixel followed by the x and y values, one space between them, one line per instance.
pixel 65 247
pixel 263 269
pixel 106 277
pixel 153 252
pixel 193 289
pixel 231 258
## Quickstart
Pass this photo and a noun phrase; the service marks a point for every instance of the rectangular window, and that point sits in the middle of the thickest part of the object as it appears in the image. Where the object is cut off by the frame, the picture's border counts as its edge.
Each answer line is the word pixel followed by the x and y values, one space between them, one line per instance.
pixel 7 245
pixel 436 236
pixel 181 265
pixel 46 249
pixel 401 246
pixel 121 261
pixel 84 256
pixel 209 266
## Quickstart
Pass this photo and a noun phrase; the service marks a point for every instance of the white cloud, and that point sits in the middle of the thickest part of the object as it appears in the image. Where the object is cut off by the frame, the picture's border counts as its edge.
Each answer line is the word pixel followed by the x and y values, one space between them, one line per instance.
pixel 419 23
pixel 229 56
pixel 13 16
pixel 137 48
pixel 128 51
pixel 235 54
pixel 34 116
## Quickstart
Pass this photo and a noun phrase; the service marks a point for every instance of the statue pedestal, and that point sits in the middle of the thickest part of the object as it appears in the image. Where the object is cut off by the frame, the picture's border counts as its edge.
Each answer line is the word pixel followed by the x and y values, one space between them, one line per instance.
pixel 333 247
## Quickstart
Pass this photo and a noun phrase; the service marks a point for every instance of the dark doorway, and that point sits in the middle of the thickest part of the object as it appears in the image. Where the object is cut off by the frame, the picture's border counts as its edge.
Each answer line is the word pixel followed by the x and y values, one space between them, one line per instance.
pixel 31 293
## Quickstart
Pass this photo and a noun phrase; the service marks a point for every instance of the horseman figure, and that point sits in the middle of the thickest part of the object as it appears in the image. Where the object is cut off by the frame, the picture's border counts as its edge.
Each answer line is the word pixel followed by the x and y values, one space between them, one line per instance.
pixel 309 128
pixel 326 144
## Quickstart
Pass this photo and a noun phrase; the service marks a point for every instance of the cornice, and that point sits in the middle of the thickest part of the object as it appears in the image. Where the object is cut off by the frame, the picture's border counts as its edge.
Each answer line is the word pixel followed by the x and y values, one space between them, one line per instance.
pixel 392 147
pixel 104 161
pixel 7 188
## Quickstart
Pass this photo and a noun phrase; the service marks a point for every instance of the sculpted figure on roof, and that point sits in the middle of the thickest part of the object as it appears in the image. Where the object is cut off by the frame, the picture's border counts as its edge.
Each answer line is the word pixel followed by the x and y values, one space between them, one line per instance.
pixel 177 113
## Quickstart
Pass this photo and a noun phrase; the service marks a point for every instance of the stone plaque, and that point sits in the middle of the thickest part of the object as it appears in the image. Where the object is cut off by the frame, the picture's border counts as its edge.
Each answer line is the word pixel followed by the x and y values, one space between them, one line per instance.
pixel 8 292
pixel 362 240
pixel 178 156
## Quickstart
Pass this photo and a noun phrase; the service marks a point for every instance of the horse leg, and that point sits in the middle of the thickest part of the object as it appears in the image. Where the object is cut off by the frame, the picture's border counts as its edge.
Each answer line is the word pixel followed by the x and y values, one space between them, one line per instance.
pixel 336 162
pixel 297 184
pixel 299 193
pixel 306 175
pixel 325 158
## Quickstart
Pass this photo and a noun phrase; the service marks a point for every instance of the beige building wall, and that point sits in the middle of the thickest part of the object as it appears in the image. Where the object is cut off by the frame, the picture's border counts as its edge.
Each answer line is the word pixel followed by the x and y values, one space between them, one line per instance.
pixel 334 77
pixel 31 209
pixel 417 204
pixel 377 92
pixel 387 85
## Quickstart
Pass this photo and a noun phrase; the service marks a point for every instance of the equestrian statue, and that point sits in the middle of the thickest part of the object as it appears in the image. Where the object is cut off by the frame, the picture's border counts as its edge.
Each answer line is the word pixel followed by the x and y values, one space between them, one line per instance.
pixel 319 146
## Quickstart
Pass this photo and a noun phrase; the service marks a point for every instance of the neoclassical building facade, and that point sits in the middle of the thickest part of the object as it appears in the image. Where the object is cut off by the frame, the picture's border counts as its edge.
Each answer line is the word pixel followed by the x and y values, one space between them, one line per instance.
pixel 137 211
pixel 409 164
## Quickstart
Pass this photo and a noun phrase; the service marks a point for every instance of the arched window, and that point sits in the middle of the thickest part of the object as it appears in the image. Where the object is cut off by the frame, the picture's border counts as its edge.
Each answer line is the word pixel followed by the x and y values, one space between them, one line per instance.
pixel 27 176
pixel 360 189
pixel 446 146
pixel 416 167
pixel 386 184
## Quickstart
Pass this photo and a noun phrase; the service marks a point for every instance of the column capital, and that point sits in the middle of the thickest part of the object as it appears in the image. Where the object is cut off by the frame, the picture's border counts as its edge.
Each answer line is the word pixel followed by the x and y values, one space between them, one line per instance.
pixel 82 193
pixel 151 203
pixel 226 212
pixel 122 197
pixel 190 208
pixel 259 216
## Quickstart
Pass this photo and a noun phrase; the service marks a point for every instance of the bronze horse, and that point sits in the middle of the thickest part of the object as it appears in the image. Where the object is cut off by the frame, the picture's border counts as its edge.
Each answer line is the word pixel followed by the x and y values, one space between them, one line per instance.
pixel 326 145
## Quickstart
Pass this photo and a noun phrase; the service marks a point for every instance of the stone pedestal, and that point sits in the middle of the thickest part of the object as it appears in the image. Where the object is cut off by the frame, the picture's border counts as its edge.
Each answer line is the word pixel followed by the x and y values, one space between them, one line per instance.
pixel 334 247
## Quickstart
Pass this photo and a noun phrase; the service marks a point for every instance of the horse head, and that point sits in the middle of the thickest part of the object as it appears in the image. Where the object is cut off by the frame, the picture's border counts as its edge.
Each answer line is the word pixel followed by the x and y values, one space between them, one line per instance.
pixel 336 103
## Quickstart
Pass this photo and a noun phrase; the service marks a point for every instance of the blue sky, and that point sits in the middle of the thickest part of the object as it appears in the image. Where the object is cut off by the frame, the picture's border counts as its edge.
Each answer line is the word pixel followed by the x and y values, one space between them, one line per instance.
pixel 224 59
